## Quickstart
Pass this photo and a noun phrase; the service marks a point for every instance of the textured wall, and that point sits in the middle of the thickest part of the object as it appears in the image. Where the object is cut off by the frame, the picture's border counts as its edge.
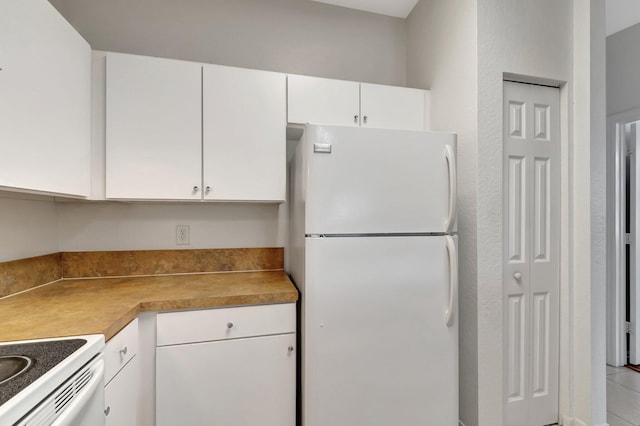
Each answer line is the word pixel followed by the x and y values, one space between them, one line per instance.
pixel 293 36
pixel 530 39
pixel 442 56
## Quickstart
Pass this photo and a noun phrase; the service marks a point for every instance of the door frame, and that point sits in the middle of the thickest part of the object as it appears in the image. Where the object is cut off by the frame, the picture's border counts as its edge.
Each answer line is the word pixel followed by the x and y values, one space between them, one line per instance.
pixel 616 293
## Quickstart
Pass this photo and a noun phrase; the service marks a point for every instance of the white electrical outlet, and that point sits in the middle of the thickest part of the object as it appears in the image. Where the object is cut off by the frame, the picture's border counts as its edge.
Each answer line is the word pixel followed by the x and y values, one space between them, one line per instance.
pixel 182 235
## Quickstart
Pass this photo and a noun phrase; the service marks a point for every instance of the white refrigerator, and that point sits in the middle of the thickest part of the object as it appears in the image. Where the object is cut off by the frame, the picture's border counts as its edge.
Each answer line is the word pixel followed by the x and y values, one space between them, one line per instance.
pixel 373 252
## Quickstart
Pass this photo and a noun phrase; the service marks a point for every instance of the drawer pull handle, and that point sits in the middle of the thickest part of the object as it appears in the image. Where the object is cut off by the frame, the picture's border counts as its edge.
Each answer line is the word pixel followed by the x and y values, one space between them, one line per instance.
pixel 107 411
pixel 123 351
pixel 229 325
pixel 290 349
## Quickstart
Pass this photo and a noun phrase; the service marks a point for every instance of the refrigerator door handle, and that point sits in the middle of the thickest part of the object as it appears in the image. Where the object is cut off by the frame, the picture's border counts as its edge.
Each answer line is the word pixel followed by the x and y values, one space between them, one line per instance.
pixel 453 279
pixel 453 187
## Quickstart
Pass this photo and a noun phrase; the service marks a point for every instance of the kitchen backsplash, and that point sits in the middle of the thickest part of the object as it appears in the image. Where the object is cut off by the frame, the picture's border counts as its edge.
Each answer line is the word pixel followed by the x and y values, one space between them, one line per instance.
pixel 158 262
pixel 23 274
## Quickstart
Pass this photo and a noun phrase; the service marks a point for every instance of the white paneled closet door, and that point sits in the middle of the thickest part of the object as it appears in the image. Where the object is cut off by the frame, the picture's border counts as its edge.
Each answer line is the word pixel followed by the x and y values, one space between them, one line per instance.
pixel 531 250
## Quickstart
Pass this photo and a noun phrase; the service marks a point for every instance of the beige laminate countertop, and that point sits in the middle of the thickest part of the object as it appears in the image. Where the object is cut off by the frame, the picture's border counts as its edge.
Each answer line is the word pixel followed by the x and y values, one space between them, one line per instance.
pixel 74 307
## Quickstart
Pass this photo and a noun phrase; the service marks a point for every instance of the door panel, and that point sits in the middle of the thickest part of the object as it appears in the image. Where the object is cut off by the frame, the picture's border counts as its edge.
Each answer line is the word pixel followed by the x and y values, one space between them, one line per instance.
pixel 323 101
pixel 377 350
pixel 45 100
pixel 244 124
pixel 390 107
pixel 633 224
pixel 376 181
pixel 153 128
pixel 531 264
pixel 238 382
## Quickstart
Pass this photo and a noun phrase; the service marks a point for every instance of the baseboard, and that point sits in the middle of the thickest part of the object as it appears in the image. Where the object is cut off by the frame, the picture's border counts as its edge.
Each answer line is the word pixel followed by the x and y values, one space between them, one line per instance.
pixel 570 421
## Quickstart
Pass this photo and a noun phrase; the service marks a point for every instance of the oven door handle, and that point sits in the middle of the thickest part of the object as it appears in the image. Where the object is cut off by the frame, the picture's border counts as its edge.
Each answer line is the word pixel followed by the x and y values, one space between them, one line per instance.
pixel 76 406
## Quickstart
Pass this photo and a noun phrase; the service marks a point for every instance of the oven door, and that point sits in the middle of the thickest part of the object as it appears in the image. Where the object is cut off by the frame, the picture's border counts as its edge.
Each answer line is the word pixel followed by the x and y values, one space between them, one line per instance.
pixel 78 402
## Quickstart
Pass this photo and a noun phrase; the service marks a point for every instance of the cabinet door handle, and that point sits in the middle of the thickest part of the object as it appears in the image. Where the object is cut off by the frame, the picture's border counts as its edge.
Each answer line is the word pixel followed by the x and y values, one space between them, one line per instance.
pixel 107 411
pixel 196 189
pixel 355 119
pixel 207 190
pixel 123 351
pixel 229 325
pixel 290 349
pixel 364 119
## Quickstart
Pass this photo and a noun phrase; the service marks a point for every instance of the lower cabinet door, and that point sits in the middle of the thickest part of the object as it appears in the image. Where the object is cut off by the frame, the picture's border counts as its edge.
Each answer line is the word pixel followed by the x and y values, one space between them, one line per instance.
pixel 241 382
pixel 121 397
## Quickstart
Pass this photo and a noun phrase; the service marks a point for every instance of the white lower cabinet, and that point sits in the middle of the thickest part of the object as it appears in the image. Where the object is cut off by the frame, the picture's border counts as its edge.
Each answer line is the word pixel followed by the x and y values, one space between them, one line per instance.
pixel 122 377
pixel 121 397
pixel 245 378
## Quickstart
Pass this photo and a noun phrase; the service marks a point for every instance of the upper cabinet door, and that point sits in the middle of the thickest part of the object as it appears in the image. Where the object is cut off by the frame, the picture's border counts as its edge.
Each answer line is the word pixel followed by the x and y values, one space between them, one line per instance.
pixel 323 101
pixel 390 107
pixel 153 128
pixel 244 134
pixel 45 101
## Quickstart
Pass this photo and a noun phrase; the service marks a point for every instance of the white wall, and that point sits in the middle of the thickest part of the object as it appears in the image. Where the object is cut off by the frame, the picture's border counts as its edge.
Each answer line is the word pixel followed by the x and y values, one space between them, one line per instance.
pixel 533 40
pixel 442 55
pixel 293 36
pixel 146 226
pixel 530 39
pixel 596 122
pixel 282 35
pixel 623 63
pixel 28 226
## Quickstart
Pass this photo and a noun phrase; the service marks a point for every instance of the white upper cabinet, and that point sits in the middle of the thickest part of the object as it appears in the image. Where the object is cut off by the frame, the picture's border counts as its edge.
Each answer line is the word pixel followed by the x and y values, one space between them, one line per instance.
pixel 244 127
pixel 323 101
pixel 390 107
pixel 153 128
pixel 348 103
pixel 45 101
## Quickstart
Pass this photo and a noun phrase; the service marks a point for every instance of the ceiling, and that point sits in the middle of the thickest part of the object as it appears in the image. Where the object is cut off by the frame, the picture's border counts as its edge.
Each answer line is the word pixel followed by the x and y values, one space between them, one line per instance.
pixel 397 8
pixel 622 14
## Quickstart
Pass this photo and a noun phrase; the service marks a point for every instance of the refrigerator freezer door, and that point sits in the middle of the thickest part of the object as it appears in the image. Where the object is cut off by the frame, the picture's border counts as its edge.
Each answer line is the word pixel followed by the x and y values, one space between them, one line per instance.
pixel 379 181
pixel 377 349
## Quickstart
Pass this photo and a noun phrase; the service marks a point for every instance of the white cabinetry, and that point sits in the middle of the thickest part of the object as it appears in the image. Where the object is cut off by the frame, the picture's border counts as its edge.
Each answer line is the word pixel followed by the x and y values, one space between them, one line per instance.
pixel 390 107
pixel 153 128
pixel 228 367
pixel 176 130
pixel 244 127
pixel 45 101
pixel 347 103
pixel 121 377
pixel 323 101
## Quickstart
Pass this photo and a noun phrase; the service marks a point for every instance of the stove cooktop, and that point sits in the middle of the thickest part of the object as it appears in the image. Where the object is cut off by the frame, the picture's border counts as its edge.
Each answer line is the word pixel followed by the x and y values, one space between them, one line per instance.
pixel 44 355
pixel 54 361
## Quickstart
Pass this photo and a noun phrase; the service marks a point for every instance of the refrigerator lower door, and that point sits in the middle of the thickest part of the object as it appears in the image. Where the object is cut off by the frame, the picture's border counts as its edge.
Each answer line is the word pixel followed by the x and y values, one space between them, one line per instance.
pixel 377 349
pixel 362 181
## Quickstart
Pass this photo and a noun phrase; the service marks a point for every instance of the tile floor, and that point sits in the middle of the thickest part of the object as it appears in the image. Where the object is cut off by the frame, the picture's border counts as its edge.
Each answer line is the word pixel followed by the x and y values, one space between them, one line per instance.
pixel 623 397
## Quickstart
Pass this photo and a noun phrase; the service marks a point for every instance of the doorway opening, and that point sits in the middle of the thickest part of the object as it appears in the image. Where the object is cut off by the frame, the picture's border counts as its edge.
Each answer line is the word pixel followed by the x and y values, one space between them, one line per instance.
pixel 623 263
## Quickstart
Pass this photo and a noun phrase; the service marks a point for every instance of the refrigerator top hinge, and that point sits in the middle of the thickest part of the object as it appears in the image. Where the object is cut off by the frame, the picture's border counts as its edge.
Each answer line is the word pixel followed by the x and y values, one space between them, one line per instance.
pixel 627 238
pixel 628 327
pixel 627 150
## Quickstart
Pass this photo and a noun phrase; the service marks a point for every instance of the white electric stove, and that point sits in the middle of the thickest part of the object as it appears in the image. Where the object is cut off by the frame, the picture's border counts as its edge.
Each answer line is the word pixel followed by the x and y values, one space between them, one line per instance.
pixel 52 382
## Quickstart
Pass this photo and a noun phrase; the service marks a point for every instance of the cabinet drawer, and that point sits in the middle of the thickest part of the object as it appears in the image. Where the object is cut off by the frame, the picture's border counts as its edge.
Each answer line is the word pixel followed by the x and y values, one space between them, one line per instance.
pixel 225 323
pixel 120 349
